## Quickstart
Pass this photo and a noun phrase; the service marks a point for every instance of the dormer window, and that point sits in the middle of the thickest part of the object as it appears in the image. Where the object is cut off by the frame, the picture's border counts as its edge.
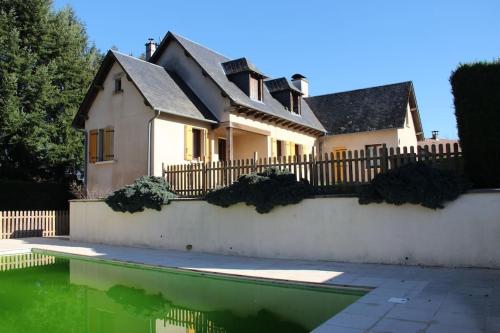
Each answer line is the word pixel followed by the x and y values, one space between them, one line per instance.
pixel 246 76
pixel 256 87
pixel 286 93
pixel 296 99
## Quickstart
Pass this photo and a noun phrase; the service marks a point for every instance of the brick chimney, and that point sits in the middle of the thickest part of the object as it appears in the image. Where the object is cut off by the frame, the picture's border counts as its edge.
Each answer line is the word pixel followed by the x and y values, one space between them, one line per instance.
pixel 150 48
pixel 299 81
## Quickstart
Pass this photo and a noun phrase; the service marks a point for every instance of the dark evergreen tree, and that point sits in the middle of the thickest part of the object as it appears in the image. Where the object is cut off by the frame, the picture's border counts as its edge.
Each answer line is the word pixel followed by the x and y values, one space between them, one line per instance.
pixel 46 66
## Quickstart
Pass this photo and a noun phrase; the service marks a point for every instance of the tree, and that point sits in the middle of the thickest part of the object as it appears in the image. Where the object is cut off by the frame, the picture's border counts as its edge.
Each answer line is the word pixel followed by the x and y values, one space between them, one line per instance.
pixel 46 66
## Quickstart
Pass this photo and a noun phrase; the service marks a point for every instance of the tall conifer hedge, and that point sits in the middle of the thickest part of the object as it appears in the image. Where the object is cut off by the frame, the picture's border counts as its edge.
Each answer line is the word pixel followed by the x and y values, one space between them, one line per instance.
pixel 476 91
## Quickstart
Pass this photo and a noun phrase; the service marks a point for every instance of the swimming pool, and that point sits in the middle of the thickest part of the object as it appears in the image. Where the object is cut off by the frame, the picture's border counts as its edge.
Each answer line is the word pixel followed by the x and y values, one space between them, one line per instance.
pixel 40 292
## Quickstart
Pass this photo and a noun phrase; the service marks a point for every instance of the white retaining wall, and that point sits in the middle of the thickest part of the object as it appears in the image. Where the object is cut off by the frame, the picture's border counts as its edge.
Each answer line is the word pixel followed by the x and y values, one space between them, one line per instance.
pixel 465 233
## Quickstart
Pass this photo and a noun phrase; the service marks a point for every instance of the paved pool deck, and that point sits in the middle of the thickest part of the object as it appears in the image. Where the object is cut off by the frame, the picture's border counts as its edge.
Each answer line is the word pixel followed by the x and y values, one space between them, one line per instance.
pixel 458 300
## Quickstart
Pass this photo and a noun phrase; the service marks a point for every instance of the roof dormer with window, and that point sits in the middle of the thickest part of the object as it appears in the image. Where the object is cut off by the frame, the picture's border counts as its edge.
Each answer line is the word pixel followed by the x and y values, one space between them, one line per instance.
pixel 286 93
pixel 246 76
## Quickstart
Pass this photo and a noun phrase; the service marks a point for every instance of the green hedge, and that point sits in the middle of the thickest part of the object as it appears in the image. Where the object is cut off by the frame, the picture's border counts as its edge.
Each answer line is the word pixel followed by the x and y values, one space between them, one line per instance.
pixel 476 91
pixel 415 183
pixel 145 192
pixel 24 195
pixel 264 190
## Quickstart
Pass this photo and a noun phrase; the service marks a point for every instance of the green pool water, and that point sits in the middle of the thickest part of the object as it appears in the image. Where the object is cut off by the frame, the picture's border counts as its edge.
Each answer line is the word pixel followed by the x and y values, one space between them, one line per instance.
pixel 43 293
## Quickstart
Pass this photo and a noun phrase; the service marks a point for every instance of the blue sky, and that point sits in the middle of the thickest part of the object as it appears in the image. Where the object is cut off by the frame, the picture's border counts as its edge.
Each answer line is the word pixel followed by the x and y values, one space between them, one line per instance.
pixel 337 45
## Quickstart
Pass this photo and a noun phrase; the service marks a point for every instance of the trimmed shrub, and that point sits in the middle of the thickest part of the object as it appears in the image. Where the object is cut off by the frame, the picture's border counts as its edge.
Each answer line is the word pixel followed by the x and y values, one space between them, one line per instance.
pixel 145 192
pixel 476 92
pixel 415 183
pixel 264 190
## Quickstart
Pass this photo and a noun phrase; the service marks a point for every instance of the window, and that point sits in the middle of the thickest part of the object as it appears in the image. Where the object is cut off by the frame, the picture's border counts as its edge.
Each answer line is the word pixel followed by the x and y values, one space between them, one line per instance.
pixel 297 150
pixel 372 150
pixel 101 145
pixel 296 103
pixel 279 148
pixel 407 120
pixel 222 149
pixel 196 143
pixel 118 85
pixel 255 88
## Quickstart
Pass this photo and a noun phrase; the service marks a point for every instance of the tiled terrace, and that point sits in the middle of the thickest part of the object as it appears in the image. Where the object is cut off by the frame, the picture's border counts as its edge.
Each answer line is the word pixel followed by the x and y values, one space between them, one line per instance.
pixel 458 300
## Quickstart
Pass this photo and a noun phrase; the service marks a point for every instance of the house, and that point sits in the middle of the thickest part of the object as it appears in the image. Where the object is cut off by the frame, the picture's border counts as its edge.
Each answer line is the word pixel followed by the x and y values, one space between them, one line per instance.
pixel 436 141
pixel 187 103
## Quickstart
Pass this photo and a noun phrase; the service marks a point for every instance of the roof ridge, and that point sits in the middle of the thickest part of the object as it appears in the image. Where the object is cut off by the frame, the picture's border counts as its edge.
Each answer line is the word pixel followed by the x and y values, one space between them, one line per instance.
pixel 135 58
pixel 366 88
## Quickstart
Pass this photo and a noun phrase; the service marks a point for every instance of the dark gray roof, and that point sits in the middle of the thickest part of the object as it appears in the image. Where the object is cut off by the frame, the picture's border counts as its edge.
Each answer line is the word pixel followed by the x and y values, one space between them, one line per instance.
pixel 162 90
pixel 363 110
pixel 240 65
pixel 211 62
pixel 280 84
pixel 158 88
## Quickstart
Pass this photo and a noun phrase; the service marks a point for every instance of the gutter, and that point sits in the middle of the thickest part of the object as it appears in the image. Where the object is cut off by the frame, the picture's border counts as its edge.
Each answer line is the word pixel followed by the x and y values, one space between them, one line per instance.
pixel 150 139
pixel 85 157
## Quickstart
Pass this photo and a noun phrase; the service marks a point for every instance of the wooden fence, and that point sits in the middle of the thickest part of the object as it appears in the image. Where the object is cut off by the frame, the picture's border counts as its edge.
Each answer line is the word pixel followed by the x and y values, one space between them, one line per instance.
pixel 44 223
pixel 346 168
pixel 25 260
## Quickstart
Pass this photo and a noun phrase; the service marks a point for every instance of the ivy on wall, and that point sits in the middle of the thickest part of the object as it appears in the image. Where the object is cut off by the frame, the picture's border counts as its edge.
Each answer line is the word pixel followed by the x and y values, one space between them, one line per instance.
pixel 145 192
pixel 264 190
pixel 415 183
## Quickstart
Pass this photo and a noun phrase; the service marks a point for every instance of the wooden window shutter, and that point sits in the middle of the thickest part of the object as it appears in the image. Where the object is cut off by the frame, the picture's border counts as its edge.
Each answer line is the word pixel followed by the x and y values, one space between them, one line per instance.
pixel 208 153
pixel 274 147
pixel 188 142
pixel 287 148
pixel 92 146
pixel 303 150
pixel 109 144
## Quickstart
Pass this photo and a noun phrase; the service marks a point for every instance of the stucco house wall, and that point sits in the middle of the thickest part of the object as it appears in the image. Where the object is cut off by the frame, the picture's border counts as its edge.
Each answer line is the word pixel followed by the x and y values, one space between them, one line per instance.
pixel 129 116
pixel 168 140
pixel 407 136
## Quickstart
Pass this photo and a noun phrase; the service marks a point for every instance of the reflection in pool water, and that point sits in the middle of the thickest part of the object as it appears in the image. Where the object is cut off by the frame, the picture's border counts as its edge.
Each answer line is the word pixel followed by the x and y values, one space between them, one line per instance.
pixel 53 294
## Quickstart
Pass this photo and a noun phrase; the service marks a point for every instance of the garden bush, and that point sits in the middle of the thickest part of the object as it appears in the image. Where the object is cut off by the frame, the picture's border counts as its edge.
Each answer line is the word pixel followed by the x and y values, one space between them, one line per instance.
pixel 145 192
pixel 415 183
pixel 264 190
pixel 476 92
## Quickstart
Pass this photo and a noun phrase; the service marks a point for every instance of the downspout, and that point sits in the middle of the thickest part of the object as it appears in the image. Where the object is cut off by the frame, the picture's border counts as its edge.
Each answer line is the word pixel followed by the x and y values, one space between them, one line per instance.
pixel 85 157
pixel 150 139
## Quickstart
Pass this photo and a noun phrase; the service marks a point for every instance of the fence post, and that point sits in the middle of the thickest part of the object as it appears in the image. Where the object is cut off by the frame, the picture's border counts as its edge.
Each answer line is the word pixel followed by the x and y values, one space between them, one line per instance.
pixel 254 161
pixel 312 169
pixel 383 158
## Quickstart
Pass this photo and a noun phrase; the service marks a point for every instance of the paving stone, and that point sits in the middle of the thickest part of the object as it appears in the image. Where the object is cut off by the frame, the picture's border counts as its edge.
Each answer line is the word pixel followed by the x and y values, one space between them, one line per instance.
pixel 472 321
pixel 438 328
pixel 399 326
pixel 493 324
pixel 353 321
pixel 402 312
pixel 369 309
pixel 336 329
